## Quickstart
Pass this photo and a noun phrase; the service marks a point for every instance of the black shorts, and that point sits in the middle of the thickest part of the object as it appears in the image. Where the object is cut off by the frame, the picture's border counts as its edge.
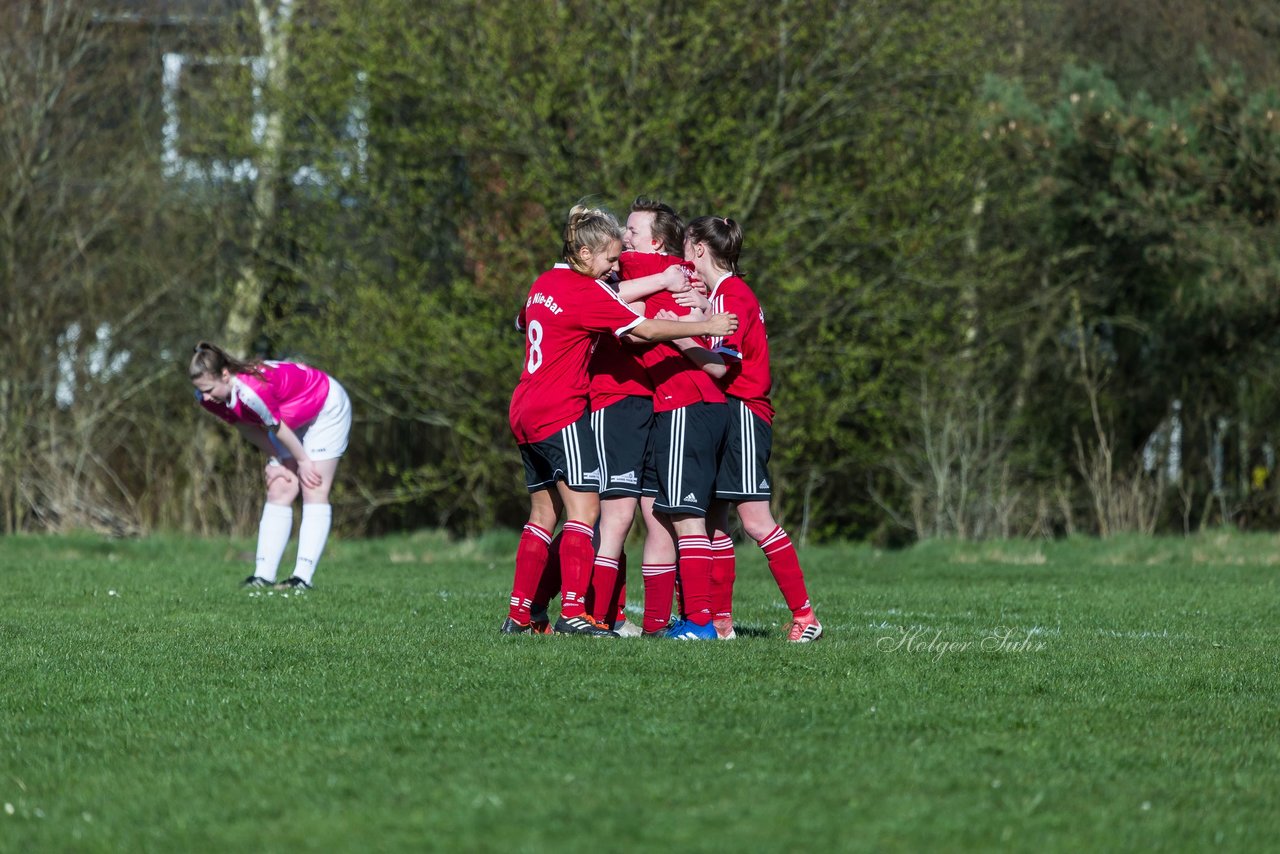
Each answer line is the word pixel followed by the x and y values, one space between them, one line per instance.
pixel 684 452
pixel 569 455
pixel 744 467
pixel 622 436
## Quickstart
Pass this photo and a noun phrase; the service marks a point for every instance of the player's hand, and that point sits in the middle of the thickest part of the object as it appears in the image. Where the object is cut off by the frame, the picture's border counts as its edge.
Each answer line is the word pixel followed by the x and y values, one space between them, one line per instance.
pixel 276 470
pixel 666 314
pixel 309 474
pixel 694 299
pixel 675 279
pixel 722 325
pixel 698 285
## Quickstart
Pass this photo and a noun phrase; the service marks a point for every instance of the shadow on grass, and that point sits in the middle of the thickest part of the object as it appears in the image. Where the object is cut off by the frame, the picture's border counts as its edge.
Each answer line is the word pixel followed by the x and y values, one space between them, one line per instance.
pixel 752 631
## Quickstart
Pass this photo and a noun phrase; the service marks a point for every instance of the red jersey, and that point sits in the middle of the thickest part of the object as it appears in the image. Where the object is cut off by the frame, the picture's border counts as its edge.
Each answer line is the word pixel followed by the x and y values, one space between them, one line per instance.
pixel 563 314
pixel 677 382
pixel 746 351
pixel 616 373
pixel 617 368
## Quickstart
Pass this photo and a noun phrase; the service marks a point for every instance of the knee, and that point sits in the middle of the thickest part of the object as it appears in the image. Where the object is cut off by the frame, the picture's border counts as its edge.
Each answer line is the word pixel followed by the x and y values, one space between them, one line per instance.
pixel 282 490
pixel 757 524
pixel 544 517
pixel 587 515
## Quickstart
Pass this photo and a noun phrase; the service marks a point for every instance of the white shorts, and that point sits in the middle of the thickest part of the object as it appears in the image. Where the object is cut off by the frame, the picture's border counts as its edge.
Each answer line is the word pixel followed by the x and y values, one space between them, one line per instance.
pixel 326 437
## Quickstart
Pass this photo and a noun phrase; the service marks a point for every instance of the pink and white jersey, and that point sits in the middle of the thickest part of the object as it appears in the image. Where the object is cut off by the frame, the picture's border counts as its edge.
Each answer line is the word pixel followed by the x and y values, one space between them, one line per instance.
pixel 288 392
pixel 563 315
pixel 746 351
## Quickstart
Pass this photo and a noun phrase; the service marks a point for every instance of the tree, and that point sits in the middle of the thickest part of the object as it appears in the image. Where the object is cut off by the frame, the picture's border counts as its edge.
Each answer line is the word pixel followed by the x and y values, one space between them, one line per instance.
pixel 1155 235
pixel 90 264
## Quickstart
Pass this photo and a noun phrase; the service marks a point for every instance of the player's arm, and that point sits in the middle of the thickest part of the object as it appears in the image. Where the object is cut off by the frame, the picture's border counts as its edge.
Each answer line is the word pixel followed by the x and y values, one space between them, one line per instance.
pixel 693 349
pixel 730 347
pixel 716 326
pixel 267 408
pixel 694 300
pixel 289 440
pixel 671 279
pixel 257 434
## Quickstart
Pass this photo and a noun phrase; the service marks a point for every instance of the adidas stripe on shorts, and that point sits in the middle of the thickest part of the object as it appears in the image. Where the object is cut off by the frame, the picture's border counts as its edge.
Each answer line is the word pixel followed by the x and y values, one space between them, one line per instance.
pixel 569 455
pixel 684 450
pixel 621 433
pixel 744 466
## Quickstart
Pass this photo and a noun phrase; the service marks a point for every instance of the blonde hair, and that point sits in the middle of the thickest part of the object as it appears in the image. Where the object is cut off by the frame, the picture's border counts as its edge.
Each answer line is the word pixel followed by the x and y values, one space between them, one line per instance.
pixel 588 227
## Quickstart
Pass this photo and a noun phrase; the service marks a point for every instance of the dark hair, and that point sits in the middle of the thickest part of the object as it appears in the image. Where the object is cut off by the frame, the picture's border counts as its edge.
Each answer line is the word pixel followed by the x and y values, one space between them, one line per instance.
pixel 213 360
pixel 723 237
pixel 589 227
pixel 667 225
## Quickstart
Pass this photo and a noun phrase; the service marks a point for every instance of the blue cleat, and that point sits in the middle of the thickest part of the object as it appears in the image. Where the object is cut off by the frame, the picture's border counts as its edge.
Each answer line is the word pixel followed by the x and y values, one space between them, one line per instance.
pixel 689 630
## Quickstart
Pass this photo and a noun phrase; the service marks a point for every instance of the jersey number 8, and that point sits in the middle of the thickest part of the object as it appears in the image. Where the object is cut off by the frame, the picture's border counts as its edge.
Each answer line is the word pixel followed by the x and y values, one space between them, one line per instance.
pixel 535 348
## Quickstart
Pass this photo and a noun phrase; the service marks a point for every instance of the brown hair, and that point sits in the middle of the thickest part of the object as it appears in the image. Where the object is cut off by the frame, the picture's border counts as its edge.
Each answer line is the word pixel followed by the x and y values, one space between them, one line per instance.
pixel 667 225
pixel 590 227
pixel 722 236
pixel 213 360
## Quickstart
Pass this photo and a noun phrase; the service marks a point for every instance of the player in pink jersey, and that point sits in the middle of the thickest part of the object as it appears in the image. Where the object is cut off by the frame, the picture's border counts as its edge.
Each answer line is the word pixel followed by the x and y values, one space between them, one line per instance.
pixel 300 418
pixel 713 244
pixel 566 309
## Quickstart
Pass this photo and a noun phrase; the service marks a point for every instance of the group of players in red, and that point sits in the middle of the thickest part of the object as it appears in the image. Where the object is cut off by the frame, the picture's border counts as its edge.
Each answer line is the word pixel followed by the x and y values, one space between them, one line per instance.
pixel 645 383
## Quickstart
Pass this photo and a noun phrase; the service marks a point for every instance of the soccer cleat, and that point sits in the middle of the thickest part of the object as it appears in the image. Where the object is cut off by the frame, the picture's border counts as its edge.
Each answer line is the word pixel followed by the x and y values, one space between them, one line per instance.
pixel 658 633
pixel 539 623
pixel 293 582
pixel 511 627
pixel 627 629
pixel 805 629
pixel 724 628
pixel 689 630
pixel 583 625
pixel 256 581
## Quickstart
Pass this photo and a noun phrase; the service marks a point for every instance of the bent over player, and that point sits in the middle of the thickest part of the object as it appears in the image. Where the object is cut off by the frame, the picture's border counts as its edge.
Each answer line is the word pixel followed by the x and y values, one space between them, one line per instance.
pixel 300 418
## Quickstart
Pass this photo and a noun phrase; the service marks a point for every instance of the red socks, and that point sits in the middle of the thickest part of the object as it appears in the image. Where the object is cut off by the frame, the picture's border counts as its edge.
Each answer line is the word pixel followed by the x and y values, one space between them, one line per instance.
pixel 785 567
pixel 621 595
pixel 604 583
pixel 576 557
pixel 723 574
pixel 659 588
pixel 531 561
pixel 695 577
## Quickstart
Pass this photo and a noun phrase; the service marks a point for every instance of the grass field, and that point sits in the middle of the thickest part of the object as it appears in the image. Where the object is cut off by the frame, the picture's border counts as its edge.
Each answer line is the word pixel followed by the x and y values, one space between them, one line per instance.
pixel 1068 696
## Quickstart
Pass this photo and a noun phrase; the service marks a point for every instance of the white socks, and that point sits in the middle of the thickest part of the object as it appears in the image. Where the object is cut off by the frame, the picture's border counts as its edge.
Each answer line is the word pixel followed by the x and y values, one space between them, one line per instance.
pixel 273 536
pixel 312 535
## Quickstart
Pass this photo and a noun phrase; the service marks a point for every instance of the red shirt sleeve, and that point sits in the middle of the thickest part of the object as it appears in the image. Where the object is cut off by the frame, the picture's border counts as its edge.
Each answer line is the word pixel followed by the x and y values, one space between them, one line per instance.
pixel 601 310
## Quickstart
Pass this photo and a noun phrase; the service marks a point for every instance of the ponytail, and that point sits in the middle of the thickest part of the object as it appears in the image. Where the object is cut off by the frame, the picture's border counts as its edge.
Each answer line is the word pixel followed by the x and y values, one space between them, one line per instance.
pixel 723 236
pixel 590 227
pixel 213 360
